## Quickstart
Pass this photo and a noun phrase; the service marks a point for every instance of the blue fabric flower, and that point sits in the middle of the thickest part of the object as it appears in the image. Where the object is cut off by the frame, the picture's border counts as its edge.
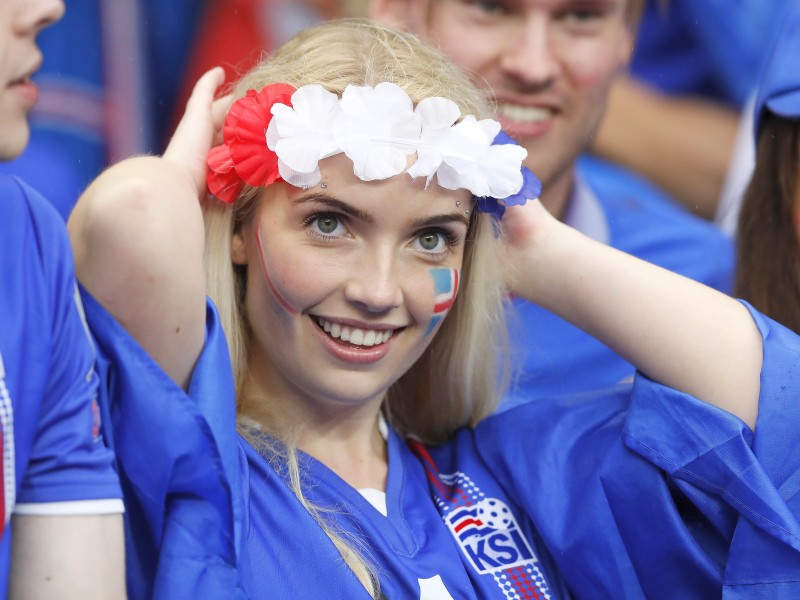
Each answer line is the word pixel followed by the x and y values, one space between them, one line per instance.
pixel 531 188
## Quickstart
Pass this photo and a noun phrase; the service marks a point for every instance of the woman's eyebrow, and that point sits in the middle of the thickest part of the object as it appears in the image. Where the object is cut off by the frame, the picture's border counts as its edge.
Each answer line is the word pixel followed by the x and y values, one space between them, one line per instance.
pixel 337 205
pixel 441 220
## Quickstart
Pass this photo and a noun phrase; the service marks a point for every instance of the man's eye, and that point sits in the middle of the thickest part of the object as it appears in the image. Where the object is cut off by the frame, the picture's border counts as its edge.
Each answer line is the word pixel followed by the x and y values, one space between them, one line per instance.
pixel 582 16
pixel 490 7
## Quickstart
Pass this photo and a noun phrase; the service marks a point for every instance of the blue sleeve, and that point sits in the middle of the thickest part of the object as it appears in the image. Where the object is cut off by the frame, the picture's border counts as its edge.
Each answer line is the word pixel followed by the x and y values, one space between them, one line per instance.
pixel 68 459
pixel 646 492
pixel 755 475
pixel 179 463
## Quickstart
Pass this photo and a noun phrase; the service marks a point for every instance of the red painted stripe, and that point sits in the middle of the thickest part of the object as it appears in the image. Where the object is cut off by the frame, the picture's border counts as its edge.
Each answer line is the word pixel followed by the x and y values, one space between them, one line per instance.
pixel 271 285
pixel 443 306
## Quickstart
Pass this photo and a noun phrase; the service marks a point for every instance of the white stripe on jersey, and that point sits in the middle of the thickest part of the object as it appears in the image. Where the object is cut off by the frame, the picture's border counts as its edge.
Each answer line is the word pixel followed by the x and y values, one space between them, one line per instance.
pixel 107 506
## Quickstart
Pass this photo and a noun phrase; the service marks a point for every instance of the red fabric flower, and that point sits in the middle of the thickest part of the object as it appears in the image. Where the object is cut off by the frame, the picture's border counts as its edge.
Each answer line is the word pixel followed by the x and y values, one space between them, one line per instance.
pixel 223 180
pixel 244 155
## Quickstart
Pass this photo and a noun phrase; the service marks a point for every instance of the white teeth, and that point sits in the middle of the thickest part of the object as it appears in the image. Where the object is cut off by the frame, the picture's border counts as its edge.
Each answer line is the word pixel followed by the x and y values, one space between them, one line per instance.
pixel 357 337
pixel 524 114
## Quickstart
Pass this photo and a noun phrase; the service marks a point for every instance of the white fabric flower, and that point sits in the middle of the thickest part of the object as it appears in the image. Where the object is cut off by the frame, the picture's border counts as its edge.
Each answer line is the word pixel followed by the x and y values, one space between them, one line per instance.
pixel 500 170
pixel 437 116
pixel 469 145
pixel 377 130
pixel 302 134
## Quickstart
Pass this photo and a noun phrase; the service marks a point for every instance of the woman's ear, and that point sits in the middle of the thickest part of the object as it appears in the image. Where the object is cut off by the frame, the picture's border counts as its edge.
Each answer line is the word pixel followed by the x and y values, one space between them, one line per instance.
pixel 238 248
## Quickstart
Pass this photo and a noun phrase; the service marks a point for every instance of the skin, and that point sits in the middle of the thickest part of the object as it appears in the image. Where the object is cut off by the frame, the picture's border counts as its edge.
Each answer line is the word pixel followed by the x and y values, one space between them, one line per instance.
pixel 549 63
pixel 20 23
pixel 75 558
pixel 357 255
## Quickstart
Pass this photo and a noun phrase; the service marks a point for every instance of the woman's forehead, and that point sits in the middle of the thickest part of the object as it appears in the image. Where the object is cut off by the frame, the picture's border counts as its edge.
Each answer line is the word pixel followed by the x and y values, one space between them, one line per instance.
pixel 400 192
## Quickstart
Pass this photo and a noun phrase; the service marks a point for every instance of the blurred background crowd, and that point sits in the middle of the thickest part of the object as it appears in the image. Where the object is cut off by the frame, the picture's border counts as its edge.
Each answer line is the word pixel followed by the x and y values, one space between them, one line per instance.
pixel 117 75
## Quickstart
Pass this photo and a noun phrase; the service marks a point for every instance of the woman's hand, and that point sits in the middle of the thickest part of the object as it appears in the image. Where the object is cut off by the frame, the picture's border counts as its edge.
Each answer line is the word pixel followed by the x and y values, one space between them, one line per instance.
pixel 525 233
pixel 199 128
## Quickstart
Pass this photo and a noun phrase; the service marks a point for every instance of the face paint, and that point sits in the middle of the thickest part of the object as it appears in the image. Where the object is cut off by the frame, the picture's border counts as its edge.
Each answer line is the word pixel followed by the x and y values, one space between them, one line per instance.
pixel 445 288
pixel 262 256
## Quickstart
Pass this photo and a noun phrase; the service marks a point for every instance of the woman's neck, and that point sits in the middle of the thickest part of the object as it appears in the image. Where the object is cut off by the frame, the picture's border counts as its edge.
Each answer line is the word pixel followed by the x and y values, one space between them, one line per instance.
pixel 345 438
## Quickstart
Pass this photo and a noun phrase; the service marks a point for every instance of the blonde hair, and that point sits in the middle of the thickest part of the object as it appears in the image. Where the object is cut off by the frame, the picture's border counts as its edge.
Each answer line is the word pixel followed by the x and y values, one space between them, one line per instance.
pixel 455 382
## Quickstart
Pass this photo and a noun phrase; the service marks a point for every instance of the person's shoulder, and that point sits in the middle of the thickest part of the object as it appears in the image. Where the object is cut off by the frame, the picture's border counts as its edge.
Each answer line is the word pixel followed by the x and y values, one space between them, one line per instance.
pixel 646 222
pixel 619 189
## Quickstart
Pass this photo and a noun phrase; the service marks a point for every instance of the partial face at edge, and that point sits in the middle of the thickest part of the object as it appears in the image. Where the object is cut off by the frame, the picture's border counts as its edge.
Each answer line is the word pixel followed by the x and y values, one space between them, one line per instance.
pixel 20 23
pixel 354 257
pixel 549 63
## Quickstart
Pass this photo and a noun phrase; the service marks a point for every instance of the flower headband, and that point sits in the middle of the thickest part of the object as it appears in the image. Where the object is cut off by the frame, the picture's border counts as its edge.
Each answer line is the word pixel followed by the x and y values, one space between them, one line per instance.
pixel 281 133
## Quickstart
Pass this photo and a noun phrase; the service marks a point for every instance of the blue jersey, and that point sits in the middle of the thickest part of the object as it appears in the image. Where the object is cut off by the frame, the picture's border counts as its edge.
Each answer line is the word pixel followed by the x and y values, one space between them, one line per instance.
pixel 54 459
pixel 634 492
pixel 713 49
pixel 551 356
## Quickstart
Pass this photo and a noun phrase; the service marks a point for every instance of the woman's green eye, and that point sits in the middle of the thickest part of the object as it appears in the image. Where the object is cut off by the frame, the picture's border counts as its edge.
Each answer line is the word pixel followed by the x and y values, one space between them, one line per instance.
pixel 327 224
pixel 430 241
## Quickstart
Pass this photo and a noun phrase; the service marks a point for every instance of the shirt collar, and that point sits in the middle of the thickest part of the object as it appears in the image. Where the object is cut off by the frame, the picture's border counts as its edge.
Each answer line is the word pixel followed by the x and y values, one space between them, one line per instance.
pixel 585 213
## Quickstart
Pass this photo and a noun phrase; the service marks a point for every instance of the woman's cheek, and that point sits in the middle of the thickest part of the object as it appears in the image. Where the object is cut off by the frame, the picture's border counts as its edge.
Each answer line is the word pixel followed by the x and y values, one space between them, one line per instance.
pixel 274 276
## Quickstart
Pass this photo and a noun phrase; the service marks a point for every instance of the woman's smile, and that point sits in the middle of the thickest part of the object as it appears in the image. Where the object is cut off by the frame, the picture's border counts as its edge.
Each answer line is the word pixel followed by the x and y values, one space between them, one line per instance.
pixel 354 344
pixel 356 335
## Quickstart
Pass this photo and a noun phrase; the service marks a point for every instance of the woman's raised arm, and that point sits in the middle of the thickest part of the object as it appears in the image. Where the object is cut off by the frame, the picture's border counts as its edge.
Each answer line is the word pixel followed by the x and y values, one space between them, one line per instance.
pixel 138 237
pixel 675 330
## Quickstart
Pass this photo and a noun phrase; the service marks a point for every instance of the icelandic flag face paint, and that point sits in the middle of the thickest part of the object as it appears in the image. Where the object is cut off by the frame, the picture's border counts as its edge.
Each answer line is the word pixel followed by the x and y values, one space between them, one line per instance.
pixel 445 288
